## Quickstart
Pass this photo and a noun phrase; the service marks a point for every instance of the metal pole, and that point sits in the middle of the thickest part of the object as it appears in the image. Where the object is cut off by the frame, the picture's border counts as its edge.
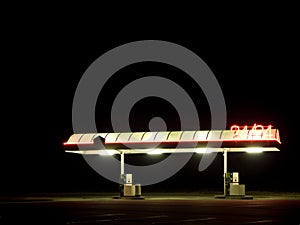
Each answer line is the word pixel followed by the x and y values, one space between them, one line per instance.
pixel 225 170
pixel 122 165
pixel 121 185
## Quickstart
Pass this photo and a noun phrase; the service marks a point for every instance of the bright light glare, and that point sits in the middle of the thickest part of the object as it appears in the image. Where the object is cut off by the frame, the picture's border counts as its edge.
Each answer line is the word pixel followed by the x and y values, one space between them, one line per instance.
pixel 155 152
pixel 107 152
pixel 202 151
pixel 254 150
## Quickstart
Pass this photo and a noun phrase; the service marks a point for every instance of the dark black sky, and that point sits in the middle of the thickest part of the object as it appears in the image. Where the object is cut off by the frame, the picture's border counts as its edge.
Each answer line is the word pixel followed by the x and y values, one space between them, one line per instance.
pixel 256 67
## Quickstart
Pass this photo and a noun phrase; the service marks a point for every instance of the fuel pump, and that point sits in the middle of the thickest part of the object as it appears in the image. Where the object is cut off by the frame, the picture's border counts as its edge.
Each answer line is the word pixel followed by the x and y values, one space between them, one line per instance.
pixel 228 179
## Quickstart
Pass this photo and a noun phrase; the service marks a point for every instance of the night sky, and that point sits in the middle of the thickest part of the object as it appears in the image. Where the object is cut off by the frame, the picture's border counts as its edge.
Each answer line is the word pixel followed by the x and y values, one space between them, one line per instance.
pixel 254 67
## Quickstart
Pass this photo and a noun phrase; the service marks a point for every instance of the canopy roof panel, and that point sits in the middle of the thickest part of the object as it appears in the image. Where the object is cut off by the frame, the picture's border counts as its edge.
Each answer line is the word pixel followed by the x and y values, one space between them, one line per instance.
pixel 189 141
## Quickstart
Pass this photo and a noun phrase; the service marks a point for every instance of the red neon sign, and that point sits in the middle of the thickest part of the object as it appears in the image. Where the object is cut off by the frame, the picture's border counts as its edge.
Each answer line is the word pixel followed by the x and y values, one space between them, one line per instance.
pixel 256 131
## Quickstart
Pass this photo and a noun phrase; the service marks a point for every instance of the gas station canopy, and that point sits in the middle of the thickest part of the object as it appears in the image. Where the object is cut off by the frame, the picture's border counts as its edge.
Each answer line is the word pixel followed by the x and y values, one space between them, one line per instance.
pixel 252 139
pixel 206 141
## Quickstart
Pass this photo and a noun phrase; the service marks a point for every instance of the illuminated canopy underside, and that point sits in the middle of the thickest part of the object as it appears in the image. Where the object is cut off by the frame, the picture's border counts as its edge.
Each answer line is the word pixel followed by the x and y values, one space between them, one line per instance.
pixel 173 141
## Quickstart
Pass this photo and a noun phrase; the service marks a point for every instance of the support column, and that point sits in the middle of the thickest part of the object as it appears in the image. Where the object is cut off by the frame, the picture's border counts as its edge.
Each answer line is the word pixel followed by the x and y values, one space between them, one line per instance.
pixel 225 169
pixel 121 184
pixel 122 166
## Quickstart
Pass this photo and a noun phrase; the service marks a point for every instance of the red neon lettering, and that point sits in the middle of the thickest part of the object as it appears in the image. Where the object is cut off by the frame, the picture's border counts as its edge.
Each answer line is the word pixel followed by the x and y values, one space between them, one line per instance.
pixel 236 130
pixel 257 131
pixel 245 128
pixel 235 127
pixel 261 127
pixel 255 135
pixel 268 131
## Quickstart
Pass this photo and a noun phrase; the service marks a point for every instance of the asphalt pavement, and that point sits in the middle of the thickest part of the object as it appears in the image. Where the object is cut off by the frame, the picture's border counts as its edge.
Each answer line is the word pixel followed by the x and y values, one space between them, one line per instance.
pixel 154 208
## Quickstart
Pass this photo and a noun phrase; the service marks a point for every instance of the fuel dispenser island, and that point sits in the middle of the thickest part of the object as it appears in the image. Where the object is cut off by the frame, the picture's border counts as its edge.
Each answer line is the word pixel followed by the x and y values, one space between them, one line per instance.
pixel 232 186
pixel 128 189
